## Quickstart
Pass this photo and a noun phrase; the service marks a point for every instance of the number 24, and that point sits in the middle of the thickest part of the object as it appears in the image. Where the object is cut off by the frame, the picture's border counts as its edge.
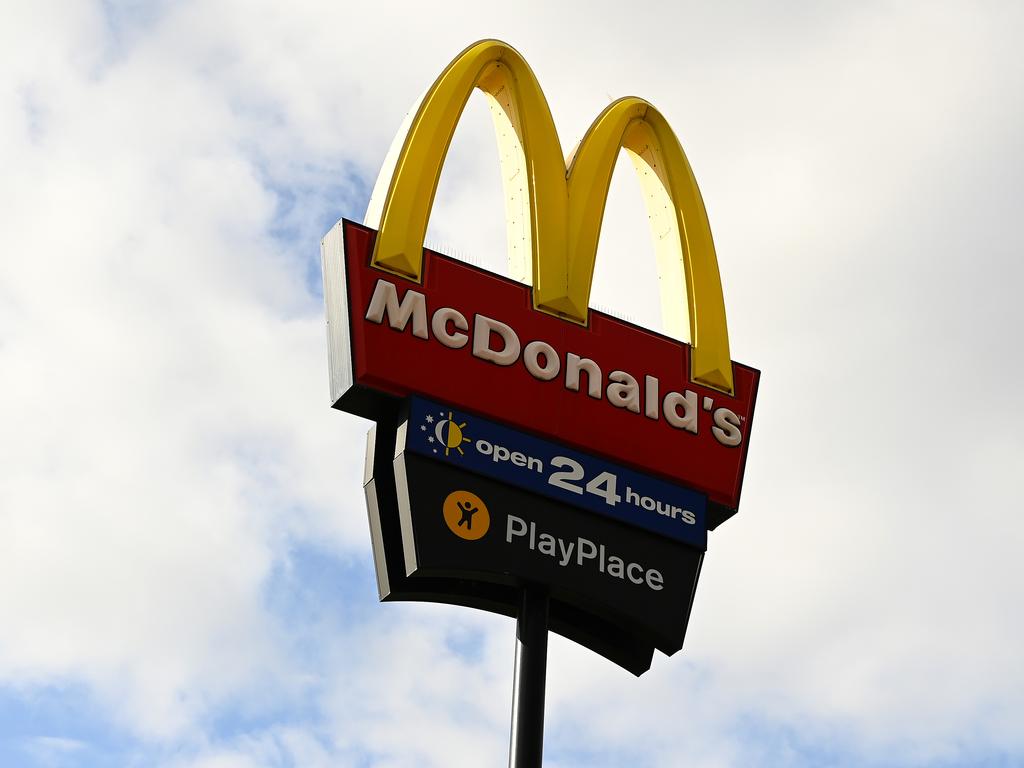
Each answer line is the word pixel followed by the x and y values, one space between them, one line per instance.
pixel 602 485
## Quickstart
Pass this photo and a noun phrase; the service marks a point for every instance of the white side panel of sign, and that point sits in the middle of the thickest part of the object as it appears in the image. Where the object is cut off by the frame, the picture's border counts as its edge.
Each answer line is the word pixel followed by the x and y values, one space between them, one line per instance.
pixel 339 343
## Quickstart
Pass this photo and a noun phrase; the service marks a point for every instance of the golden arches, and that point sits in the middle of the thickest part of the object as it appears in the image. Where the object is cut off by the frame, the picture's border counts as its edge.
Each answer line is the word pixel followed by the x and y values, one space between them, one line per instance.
pixel 553 216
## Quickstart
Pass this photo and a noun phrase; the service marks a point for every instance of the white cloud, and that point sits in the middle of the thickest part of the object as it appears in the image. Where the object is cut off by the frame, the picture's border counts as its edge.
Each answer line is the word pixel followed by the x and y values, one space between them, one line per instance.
pixel 164 430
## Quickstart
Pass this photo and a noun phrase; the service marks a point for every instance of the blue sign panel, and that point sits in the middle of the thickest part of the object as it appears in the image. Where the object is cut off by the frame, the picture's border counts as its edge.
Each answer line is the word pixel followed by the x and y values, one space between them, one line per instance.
pixel 556 471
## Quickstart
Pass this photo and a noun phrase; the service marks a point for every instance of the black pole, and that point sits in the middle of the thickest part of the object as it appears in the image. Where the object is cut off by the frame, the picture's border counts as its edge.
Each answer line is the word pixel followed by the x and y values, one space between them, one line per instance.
pixel 527 745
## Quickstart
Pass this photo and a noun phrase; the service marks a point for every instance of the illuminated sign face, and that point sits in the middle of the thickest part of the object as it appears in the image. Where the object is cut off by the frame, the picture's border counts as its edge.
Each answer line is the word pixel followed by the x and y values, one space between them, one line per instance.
pixel 556 471
pixel 466 336
pixel 400 509
pixel 641 580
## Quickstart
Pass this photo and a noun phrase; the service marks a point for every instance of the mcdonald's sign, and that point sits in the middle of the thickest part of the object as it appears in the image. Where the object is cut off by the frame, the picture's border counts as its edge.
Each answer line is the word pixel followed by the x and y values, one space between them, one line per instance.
pixel 527 351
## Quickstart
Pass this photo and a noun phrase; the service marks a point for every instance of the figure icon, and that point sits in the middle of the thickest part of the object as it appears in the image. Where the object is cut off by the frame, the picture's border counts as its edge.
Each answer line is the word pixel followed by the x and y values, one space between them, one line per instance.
pixel 468 510
pixel 466 515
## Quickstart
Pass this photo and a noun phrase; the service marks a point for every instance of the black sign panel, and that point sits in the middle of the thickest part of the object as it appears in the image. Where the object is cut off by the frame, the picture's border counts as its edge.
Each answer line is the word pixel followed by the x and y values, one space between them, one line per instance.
pixel 605 636
pixel 462 525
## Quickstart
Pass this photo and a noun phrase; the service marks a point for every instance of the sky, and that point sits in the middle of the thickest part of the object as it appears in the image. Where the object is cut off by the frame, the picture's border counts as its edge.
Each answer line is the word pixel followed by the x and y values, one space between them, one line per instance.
pixel 186 578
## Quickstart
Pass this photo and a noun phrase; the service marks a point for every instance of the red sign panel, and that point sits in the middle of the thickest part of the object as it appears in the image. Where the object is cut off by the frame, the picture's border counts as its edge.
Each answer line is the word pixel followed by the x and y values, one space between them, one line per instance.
pixel 471 338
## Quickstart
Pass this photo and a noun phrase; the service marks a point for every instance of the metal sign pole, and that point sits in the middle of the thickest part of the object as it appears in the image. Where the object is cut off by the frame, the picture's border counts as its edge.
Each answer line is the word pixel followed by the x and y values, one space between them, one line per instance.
pixel 527 739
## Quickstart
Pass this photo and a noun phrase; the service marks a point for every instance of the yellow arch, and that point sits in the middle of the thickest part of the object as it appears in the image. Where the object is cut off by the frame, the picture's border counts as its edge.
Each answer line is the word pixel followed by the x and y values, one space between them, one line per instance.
pixel 679 227
pixel 553 216
pixel 532 167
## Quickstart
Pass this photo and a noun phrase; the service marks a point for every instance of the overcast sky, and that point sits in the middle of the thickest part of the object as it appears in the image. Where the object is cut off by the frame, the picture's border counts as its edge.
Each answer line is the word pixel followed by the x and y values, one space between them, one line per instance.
pixel 185 569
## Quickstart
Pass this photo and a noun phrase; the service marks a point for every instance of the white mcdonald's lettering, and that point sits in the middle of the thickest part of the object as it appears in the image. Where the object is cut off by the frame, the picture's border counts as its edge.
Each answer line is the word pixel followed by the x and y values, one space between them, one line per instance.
pixel 496 342
pixel 484 330
pixel 385 302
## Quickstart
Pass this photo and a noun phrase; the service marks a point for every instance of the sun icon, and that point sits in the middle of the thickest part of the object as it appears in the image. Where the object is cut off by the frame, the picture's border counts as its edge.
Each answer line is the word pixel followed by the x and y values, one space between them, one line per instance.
pixel 450 435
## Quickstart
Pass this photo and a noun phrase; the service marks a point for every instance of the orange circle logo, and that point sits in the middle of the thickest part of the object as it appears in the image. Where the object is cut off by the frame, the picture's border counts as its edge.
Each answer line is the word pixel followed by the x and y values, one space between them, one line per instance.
pixel 466 515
